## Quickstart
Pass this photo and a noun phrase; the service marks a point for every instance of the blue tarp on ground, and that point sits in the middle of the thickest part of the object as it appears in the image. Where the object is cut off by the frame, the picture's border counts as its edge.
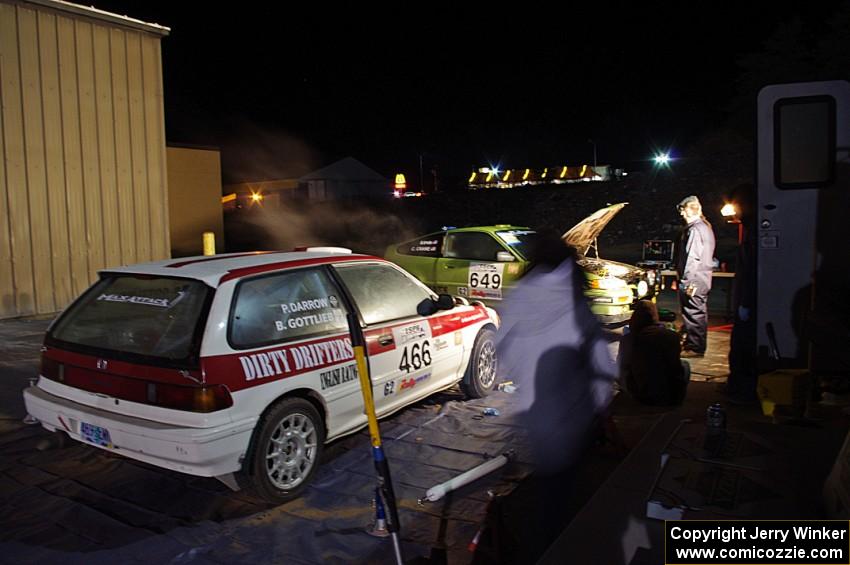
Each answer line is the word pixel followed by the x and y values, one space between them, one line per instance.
pixel 79 504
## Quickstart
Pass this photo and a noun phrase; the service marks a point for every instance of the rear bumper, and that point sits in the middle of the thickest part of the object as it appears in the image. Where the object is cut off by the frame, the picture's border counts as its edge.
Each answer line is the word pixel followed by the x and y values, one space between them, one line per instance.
pixel 206 452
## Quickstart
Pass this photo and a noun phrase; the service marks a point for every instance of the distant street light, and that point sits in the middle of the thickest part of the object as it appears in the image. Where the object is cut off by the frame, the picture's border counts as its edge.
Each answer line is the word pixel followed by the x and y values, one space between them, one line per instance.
pixel 662 159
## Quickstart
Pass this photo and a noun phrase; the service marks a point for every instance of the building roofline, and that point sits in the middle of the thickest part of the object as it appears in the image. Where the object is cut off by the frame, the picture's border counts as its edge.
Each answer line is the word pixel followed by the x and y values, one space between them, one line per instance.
pixel 102 15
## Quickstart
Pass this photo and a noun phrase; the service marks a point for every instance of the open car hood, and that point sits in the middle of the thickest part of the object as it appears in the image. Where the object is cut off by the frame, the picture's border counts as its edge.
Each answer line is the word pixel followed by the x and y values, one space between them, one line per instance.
pixel 582 235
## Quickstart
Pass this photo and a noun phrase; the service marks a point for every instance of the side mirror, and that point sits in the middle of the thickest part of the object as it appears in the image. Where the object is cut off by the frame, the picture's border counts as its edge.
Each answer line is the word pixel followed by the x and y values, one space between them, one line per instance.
pixel 504 257
pixel 427 307
pixel 445 302
pixel 430 306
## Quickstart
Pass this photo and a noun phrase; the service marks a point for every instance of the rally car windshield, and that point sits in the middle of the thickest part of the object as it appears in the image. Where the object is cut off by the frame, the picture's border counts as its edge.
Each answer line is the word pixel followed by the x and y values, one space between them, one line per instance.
pixel 521 241
pixel 137 316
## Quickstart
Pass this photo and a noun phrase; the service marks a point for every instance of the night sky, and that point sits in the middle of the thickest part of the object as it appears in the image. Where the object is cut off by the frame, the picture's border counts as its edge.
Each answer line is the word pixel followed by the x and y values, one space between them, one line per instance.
pixel 283 90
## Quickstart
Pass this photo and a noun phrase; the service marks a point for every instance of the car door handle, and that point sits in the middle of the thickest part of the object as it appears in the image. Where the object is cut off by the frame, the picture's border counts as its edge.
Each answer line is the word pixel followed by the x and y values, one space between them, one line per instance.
pixel 385 339
pixel 449 267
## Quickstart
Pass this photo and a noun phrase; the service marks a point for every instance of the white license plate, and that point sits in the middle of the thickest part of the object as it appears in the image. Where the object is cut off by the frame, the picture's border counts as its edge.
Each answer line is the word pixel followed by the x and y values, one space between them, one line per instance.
pixel 95 434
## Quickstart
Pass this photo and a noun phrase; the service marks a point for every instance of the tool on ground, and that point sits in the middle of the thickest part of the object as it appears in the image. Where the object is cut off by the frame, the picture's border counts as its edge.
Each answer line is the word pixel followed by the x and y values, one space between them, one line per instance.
pixel 437 492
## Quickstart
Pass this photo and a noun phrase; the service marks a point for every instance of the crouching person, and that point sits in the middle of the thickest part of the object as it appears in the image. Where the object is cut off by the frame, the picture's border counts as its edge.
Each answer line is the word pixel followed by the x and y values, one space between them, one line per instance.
pixel 650 367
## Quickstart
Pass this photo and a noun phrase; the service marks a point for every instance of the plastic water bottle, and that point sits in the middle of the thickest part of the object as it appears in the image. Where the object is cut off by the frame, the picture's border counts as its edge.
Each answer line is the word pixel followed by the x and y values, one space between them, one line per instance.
pixel 490 412
pixel 715 418
pixel 715 429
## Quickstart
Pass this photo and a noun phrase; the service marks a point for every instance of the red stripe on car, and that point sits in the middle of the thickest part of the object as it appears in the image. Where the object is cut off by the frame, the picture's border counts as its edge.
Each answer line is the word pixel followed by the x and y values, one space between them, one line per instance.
pixel 257 269
pixel 218 258
pixel 88 364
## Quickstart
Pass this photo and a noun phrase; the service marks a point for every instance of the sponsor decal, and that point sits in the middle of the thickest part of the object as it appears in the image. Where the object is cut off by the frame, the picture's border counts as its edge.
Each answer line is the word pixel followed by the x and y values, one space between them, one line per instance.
pixel 333 301
pixel 462 291
pixel 411 382
pixel 458 338
pixel 440 344
pixel 485 293
pixel 337 376
pixel 471 318
pixel 411 332
pixel 513 269
pixel 295 358
pixel 143 300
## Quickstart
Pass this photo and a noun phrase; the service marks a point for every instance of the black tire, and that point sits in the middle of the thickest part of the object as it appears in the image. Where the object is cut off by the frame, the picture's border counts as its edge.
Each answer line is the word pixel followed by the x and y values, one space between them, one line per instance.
pixel 480 377
pixel 295 428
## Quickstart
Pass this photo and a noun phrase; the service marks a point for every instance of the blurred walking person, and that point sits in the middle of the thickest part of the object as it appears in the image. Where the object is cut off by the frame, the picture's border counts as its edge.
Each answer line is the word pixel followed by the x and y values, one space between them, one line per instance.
pixel 553 347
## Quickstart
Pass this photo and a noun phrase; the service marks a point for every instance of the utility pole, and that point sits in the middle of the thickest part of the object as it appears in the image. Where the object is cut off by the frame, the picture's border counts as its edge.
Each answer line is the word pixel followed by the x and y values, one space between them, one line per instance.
pixel 594 153
pixel 421 178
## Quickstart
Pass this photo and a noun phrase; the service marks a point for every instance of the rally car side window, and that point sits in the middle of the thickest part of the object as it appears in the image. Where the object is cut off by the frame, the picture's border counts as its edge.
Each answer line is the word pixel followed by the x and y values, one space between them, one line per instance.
pixel 477 246
pixel 284 306
pixel 382 292
pixel 425 246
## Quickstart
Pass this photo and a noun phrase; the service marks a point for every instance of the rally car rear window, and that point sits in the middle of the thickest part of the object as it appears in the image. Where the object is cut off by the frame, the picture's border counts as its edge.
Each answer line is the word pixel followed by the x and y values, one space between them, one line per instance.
pixel 285 306
pixel 136 315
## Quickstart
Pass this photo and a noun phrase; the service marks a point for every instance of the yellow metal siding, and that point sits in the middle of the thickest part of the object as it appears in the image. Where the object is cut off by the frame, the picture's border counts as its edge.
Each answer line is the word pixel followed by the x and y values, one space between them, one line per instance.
pixel 136 94
pixel 82 154
pixel 92 187
pixel 37 243
pixel 18 297
pixel 74 188
pixel 155 136
pixel 194 199
pixel 57 206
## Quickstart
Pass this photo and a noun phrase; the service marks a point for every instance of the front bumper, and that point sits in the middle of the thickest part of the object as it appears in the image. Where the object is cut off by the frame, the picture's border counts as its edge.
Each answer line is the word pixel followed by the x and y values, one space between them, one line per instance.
pixel 205 452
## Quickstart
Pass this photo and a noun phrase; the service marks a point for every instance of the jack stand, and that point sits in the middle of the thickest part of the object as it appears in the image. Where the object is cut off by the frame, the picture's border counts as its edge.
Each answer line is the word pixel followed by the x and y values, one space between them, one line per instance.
pixel 379 528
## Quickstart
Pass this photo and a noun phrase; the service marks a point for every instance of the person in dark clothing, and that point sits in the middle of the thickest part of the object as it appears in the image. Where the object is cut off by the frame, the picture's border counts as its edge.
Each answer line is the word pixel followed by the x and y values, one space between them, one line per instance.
pixel 650 367
pixel 694 265
pixel 743 377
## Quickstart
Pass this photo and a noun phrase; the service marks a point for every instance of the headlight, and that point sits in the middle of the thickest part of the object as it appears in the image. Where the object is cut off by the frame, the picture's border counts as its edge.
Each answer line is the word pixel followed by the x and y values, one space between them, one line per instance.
pixel 650 277
pixel 608 283
pixel 642 288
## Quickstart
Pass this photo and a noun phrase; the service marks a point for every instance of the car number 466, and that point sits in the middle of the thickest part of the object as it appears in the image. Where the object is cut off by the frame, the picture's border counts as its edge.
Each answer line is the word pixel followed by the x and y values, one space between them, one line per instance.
pixel 415 356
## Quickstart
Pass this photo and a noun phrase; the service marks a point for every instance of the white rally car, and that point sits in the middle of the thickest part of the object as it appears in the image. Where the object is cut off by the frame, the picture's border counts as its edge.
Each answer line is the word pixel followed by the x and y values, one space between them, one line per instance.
pixel 240 366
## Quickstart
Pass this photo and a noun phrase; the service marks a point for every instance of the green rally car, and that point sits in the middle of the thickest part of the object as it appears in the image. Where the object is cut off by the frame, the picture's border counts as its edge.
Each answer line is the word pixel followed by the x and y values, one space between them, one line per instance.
pixel 485 262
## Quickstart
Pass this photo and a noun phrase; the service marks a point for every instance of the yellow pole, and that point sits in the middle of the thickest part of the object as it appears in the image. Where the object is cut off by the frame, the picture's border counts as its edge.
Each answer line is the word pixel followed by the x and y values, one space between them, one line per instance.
pixel 366 389
pixel 209 243
pixel 385 484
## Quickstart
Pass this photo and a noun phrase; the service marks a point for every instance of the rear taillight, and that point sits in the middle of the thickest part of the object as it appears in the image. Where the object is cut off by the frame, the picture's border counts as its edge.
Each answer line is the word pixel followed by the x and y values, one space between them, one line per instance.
pixel 192 398
pixel 52 369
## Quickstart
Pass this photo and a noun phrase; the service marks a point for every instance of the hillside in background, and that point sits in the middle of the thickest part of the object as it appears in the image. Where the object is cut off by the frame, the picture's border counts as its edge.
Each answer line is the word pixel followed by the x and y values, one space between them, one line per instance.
pixel 651 214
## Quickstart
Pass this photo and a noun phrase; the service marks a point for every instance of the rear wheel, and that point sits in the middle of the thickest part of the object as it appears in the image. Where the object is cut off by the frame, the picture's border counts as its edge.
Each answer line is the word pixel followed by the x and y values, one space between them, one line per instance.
pixel 480 377
pixel 284 451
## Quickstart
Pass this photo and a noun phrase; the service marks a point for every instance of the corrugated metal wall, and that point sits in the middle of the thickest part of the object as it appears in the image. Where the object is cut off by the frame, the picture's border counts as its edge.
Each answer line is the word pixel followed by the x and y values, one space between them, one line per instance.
pixel 82 155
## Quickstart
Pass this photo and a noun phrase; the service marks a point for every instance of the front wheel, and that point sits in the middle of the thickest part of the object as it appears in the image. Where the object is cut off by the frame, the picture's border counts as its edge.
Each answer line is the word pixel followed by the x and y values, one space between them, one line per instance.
pixel 284 451
pixel 480 377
